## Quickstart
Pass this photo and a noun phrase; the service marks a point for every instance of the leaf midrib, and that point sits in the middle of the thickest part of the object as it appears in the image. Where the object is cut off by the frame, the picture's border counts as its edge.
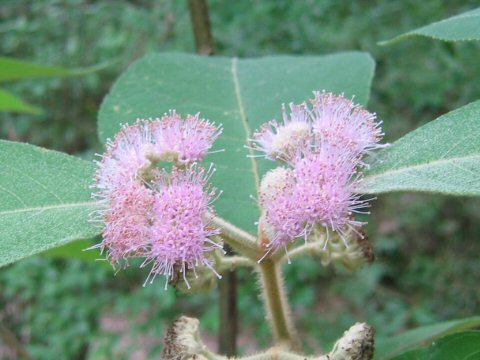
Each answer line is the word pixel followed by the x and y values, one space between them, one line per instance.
pixel 243 118
pixel 50 207
pixel 419 166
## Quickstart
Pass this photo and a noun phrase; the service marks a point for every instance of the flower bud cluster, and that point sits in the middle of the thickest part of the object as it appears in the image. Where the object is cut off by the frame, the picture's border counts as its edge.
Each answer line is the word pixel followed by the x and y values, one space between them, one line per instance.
pixel 151 212
pixel 322 146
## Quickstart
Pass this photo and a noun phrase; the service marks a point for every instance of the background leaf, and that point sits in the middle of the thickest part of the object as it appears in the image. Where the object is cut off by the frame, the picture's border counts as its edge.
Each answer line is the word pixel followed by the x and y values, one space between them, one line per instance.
pixel 45 200
pixel 386 348
pixel 14 69
pixel 76 250
pixel 461 346
pixel 11 103
pixel 442 156
pixel 239 93
pixel 461 27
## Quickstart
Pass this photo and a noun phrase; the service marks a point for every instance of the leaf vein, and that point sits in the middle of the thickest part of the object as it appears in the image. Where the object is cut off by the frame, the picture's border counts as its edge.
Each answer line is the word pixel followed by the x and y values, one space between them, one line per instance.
pixel 243 118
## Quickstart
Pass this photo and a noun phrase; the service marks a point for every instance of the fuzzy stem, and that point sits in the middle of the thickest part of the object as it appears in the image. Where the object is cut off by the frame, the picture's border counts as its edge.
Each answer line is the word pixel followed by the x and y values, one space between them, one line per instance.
pixel 239 239
pixel 277 307
pixel 234 262
pixel 309 249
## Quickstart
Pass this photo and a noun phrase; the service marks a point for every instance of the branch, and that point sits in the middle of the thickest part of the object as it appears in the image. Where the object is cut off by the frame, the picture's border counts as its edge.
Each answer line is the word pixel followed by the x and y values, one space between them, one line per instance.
pixel 239 239
pixel 201 26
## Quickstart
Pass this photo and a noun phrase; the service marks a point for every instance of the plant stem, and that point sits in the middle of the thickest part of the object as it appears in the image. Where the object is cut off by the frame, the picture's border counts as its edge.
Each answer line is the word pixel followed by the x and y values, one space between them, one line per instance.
pixel 201 26
pixel 234 262
pixel 239 239
pixel 310 249
pixel 277 307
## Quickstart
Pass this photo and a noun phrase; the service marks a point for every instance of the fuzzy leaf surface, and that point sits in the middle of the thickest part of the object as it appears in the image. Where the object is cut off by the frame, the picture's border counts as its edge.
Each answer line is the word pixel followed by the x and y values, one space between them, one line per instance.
pixel 462 27
pixel 442 156
pixel 45 200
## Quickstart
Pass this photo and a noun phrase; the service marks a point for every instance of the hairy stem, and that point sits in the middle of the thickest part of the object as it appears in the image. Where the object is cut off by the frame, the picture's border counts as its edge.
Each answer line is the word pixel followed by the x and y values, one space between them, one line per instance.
pixel 308 249
pixel 234 262
pixel 277 307
pixel 239 239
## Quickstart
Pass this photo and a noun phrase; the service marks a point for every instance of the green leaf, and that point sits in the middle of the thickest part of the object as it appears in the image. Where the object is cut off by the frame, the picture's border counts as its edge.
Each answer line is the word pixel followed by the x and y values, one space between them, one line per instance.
pixel 45 200
pixel 442 156
pixel 460 346
pixel 239 93
pixel 76 250
pixel 14 69
pixel 463 27
pixel 11 103
pixel 386 348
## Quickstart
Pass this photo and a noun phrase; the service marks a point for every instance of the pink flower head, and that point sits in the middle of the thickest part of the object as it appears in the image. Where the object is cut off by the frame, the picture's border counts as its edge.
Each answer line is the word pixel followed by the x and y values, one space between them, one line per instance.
pixel 283 219
pixel 127 222
pixel 184 141
pixel 339 122
pixel 179 235
pixel 321 186
pixel 280 141
pixel 124 157
pixel 149 212
pixel 325 188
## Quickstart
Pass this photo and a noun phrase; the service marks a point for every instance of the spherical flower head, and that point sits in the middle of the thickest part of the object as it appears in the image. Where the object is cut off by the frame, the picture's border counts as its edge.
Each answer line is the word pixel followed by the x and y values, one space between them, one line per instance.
pixel 124 157
pixel 282 141
pixel 179 235
pixel 149 212
pixel 127 222
pixel 183 141
pixel 282 220
pixel 324 189
pixel 323 145
pixel 339 122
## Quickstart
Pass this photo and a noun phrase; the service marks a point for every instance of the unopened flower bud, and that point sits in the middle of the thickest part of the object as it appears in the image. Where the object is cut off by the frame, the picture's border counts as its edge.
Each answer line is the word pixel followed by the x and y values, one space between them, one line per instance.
pixel 273 183
pixel 352 249
pixel 182 341
pixel 357 343
pixel 282 141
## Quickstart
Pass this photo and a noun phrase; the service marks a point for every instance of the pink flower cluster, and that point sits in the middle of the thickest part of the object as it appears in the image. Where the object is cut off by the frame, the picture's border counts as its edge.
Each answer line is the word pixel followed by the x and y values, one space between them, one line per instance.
pixel 152 213
pixel 323 146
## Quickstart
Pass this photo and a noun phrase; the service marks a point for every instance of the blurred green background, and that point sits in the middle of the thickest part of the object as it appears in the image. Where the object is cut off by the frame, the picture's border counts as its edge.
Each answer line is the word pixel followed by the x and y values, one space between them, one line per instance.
pixel 427 247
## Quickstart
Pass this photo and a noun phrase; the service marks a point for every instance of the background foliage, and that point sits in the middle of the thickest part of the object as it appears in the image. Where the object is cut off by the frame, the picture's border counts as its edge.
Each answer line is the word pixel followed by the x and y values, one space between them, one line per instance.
pixel 427 264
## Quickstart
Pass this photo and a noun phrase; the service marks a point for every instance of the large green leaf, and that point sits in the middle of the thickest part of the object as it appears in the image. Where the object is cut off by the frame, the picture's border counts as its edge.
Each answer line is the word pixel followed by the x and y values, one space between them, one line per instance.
pixel 11 103
pixel 389 347
pixel 239 93
pixel 14 69
pixel 462 27
pixel 45 200
pixel 442 156
pixel 461 346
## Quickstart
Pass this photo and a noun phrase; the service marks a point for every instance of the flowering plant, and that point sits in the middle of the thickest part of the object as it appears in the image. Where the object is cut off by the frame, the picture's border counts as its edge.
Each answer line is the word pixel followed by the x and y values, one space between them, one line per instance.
pixel 166 218
pixel 157 200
